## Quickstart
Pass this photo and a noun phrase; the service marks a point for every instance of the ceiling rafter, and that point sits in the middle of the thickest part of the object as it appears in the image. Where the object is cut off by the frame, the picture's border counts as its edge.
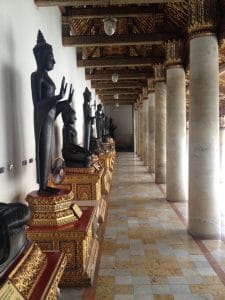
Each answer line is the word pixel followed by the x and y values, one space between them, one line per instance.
pixel 97 2
pixel 118 39
pixel 102 12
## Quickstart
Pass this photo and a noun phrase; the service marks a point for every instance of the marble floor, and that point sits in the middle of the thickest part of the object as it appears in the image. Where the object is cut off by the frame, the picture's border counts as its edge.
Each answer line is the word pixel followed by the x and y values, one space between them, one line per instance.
pixel 147 253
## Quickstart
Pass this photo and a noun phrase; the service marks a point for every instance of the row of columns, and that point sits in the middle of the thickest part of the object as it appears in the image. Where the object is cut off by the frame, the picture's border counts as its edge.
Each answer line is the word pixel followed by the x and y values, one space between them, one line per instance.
pixel 161 129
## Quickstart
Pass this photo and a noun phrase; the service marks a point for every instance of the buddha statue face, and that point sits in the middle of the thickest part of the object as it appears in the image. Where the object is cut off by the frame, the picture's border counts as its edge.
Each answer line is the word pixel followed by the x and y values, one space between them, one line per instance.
pixel 47 61
pixel 99 107
pixel 68 115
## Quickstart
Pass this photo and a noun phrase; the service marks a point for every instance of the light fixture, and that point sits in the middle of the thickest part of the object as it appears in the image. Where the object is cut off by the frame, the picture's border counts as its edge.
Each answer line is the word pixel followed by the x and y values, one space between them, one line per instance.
pixel 115 77
pixel 116 96
pixel 117 104
pixel 110 25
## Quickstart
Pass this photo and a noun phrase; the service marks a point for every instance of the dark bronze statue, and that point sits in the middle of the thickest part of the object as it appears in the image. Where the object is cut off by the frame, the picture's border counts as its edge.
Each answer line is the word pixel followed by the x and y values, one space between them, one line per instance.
pixel 74 155
pixel 46 109
pixel 88 118
pixel 13 217
pixel 112 128
pixel 106 129
pixel 99 121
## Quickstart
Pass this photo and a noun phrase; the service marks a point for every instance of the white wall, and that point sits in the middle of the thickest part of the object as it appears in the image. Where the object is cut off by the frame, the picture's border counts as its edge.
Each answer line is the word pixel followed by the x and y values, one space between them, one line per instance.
pixel 123 119
pixel 19 24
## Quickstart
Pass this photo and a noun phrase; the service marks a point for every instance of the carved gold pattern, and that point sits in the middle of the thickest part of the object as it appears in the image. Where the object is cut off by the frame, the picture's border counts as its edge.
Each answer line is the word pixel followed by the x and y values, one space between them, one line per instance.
pixel 51 290
pixel 76 244
pixel 202 18
pixel 25 275
pixel 85 184
pixel 174 53
pixel 159 72
pixel 47 210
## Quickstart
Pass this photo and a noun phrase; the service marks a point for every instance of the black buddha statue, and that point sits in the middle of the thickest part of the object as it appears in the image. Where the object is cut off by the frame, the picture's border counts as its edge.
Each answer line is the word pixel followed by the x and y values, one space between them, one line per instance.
pixel 99 115
pixel 88 118
pixel 112 128
pixel 46 109
pixel 106 129
pixel 73 155
pixel 13 217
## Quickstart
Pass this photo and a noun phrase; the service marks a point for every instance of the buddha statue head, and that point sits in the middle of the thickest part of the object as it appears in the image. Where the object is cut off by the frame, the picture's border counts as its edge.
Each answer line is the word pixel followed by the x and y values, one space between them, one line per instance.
pixel 87 95
pixel 68 115
pixel 43 54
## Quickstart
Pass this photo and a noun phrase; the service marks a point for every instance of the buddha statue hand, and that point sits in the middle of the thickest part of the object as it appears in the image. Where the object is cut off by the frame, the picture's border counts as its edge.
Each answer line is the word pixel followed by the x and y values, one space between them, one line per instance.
pixel 62 90
pixel 71 92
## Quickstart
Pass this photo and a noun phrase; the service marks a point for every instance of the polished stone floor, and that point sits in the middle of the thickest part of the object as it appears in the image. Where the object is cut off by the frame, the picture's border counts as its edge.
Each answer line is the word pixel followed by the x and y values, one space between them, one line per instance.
pixel 147 252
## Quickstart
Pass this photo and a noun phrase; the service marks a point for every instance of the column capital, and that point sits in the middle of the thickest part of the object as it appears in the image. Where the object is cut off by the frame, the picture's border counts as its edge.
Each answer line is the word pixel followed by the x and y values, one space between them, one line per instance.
pixel 174 53
pixel 202 18
pixel 151 87
pixel 159 72
pixel 222 121
pixel 145 93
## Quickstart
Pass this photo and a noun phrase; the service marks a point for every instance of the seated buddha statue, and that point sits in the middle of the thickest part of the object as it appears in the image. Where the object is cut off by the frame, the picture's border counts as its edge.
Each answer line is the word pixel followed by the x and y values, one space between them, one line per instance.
pixel 73 154
pixel 13 217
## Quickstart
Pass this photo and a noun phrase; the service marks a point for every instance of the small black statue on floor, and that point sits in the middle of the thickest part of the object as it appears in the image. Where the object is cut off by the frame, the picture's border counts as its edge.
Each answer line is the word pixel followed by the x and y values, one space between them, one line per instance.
pixel 46 109
pixel 74 155
pixel 13 217
pixel 99 121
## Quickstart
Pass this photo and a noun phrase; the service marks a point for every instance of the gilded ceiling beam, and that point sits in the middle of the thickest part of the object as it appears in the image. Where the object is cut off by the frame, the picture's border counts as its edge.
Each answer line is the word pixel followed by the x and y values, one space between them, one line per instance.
pixel 120 103
pixel 117 39
pixel 118 91
pixel 121 97
pixel 102 12
pixel 130 75
pixel 122 62
pixel 97 2
pixel 130 85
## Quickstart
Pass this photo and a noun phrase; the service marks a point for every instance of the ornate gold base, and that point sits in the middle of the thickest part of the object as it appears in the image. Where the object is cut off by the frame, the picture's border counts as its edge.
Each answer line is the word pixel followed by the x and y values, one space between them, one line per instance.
pixel 107 175
pixel 53 210
pixel 84 182
pixel 35 275
pixel 77 241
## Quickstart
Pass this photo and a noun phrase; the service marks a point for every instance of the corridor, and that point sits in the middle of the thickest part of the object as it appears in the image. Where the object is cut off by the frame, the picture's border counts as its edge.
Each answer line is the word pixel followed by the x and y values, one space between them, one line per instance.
pixel 147 253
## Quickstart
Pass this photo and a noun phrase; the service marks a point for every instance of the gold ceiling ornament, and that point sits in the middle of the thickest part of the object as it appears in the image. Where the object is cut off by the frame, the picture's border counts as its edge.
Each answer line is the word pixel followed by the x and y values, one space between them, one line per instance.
pixel 159 72
pixel 202 18
pixel 177 13
pixel 174 53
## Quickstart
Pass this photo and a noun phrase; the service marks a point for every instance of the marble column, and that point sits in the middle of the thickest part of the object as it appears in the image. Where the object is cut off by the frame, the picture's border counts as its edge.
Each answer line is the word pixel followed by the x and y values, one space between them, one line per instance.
pixel 145 131
pixel 160 124
pixel 204 211
pixel 222 149
pixel 135 128
pixel 141 131
pixel 176 179
pixel 151 132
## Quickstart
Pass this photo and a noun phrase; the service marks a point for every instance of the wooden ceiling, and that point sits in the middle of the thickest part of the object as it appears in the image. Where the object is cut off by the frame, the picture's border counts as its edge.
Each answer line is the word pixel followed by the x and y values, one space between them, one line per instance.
pixel 138 43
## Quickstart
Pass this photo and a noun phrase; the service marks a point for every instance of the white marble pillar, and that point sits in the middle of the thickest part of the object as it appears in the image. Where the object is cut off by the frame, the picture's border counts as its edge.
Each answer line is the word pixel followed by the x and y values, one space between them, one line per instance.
pixel 135 128
pixel 204 212
pixel 141 132
pixel 176 179
pixel 160 132
pixel 145 131
pixel 222 149
pixel 151 132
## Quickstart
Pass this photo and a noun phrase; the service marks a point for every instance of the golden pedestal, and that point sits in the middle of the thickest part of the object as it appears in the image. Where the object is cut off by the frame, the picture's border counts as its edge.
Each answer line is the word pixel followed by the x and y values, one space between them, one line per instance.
pixel 107 175
pixel 51 209
pixel 86 186
pixel 77 240
pixel 33 275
